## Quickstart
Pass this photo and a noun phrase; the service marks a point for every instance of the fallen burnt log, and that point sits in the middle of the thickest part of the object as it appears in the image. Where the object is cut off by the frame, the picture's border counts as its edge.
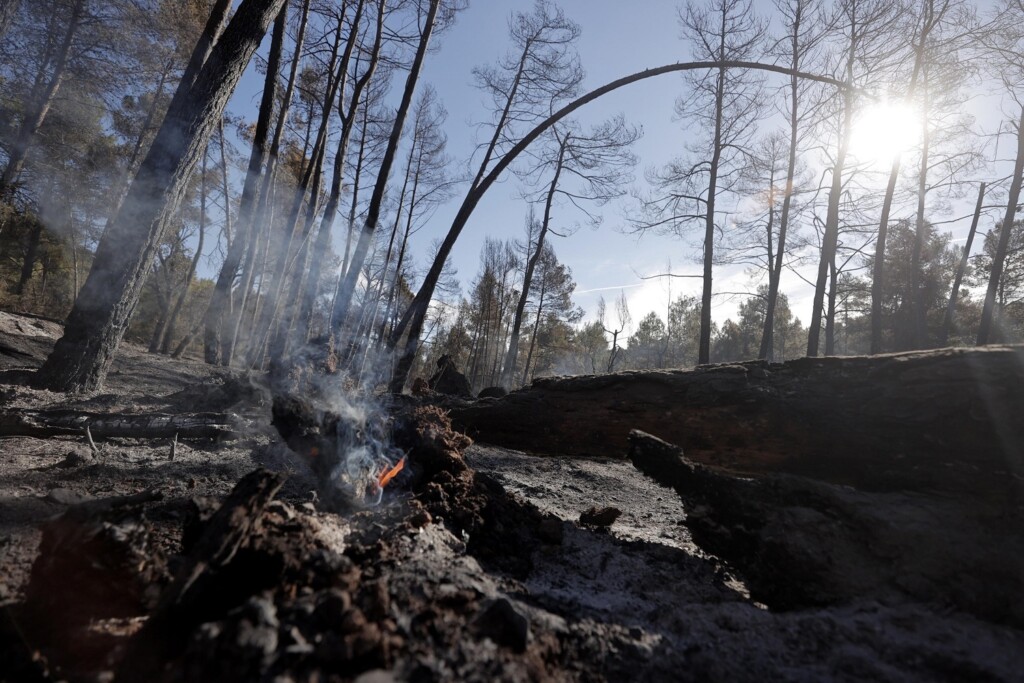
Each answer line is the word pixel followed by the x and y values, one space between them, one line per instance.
pixel 947 419
pixel 802 543
pixel 45 423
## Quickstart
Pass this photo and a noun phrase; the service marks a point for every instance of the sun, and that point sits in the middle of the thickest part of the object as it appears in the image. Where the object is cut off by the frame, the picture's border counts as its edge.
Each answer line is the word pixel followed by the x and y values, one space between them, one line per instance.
pixel 883 130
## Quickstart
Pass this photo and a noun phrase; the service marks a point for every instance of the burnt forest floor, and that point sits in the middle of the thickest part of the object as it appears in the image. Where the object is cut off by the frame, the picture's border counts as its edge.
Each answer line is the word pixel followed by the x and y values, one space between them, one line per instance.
pixel 638 600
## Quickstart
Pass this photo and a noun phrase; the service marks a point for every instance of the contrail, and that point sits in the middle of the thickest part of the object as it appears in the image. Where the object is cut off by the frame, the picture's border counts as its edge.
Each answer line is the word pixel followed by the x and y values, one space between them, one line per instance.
pixel 604 289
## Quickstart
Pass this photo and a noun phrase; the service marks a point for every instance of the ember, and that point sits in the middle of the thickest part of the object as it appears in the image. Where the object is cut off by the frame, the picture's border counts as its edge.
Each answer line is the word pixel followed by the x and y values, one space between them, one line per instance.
pixel 387 475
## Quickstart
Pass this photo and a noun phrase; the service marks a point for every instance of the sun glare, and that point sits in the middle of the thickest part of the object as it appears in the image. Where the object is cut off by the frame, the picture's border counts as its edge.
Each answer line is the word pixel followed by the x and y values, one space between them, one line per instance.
pixel 883 130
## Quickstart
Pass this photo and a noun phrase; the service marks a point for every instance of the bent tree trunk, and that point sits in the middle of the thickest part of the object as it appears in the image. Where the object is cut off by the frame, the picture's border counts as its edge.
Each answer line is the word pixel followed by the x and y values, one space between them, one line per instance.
pixel 411 324
pixel 101 313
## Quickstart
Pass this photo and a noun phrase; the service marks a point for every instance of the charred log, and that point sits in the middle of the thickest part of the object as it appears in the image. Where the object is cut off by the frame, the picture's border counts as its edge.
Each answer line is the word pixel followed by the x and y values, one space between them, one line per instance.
pixel 448 380
pixel 938 420
pixel 44 423
pixel 801 543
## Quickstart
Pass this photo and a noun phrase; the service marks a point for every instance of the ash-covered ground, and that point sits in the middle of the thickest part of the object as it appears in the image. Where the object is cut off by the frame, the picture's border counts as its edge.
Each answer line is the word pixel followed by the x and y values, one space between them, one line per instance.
pixel 638 600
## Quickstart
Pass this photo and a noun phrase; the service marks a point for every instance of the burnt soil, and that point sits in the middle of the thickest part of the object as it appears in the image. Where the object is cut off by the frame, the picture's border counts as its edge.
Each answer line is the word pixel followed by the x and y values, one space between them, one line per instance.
pixel 475 566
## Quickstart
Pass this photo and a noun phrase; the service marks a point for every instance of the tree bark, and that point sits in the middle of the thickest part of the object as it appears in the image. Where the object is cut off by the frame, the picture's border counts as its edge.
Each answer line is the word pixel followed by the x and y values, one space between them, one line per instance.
pixel 536 326
pixel 348 116
pixel 331 210
pixel 101 313
pixel 704 344
pixel 878 267
pixel 767 350
pixel 949 415
pixel 917 333
pixel 308 193
pixel 8 10
pixel 31 254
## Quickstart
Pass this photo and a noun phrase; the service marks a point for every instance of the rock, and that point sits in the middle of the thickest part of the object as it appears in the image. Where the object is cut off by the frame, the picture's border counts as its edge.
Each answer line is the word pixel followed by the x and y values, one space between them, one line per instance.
pixel 602 517
pixel 76 458
pixel 376 676
pixel 448 380
pixel 420 387
pixel 550 531
pixel 493 392
pixel 62 496
pixel 504 625
pixel 420 519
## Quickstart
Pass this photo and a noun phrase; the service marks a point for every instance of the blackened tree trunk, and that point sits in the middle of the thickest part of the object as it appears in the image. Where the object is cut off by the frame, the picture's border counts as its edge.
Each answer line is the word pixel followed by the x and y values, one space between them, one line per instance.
pixel 261 220
pixel 878 266
pixel 307 193
pixel 31 255
pixel 766 352
pixel 348 288
pixel 831 238
pixel 531 265
pixel 536 327
pixel 798 17
pixel 179 303
pixel 101 312
pixel 348 117
pixel 958 278
pixel 704 344
pixel 218 311
pixel 985 332
pixel 357 175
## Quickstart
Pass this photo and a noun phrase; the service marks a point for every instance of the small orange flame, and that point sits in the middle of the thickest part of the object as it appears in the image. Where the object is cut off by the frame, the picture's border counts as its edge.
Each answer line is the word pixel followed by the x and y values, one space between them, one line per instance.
pixel 387 475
